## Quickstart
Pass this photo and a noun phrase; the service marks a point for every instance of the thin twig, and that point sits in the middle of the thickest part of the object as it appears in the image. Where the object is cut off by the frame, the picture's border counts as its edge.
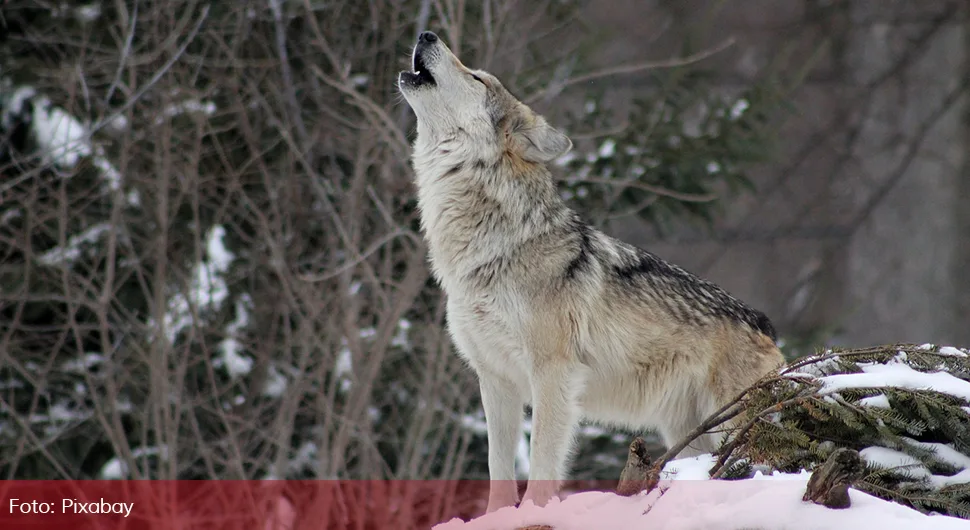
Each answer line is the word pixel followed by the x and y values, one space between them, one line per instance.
pixel 633 68
pixel 718 469
pixel 289 90
pixel 384 124
pixel 374 247
pixel 659 190
pixel 155 78
pixel 600 133
pixel 125 52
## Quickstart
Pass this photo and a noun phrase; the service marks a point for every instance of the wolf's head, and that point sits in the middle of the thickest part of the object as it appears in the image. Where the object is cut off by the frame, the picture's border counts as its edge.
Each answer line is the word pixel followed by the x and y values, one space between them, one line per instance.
pixel 454 102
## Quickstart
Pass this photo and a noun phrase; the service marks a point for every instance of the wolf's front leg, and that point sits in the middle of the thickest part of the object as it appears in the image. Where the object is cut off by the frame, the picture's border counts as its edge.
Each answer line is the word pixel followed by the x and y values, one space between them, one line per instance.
pixel 503 419
pixel 556 387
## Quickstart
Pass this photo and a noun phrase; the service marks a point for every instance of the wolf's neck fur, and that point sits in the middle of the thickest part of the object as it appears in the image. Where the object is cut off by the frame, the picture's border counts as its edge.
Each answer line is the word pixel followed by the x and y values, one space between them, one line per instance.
pixel 478 206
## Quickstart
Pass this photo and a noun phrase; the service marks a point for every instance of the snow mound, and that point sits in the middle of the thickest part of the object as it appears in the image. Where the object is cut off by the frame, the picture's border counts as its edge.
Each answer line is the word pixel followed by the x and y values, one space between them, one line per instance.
pixel 773 501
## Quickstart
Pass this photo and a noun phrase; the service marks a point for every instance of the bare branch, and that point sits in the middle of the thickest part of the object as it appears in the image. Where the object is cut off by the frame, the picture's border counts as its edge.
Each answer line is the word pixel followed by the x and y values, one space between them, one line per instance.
pixel 674 194
pixel 630 69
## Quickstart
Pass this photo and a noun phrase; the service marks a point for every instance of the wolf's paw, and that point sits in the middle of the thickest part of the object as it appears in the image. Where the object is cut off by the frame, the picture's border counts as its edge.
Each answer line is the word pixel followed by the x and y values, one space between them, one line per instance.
pixel 501 494
pixel 541 492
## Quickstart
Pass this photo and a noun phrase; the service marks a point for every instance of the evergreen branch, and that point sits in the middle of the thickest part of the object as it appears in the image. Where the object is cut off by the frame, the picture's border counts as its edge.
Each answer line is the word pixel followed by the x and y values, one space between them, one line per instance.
pixel 805 428
pixel 718 469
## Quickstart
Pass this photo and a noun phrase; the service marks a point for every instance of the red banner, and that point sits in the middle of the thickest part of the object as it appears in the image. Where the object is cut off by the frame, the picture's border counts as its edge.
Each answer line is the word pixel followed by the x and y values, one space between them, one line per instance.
pixel 266 505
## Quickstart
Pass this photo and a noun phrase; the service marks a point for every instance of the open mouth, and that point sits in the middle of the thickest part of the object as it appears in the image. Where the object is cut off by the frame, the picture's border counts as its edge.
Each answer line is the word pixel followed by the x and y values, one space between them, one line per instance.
pixel 421 75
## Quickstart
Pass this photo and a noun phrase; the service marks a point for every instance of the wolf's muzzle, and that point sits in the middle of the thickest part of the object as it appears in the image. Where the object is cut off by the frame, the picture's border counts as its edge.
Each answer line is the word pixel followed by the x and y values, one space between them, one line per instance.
pixel 421 75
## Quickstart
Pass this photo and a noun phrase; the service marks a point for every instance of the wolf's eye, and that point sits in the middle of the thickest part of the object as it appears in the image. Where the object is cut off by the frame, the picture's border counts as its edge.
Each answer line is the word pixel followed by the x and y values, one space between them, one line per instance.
pixel 476 78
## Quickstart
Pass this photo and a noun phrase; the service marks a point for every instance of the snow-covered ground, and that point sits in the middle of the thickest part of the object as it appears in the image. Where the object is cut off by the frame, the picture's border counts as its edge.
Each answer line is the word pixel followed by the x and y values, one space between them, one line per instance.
pixel 684 500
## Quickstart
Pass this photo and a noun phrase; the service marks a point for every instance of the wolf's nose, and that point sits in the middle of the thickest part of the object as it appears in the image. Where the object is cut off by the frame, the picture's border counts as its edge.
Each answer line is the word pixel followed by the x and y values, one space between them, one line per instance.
pixel 427 37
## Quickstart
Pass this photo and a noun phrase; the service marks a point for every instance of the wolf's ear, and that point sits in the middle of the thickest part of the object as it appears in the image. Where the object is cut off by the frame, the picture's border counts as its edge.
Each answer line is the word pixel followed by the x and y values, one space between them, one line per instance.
pixel 540 142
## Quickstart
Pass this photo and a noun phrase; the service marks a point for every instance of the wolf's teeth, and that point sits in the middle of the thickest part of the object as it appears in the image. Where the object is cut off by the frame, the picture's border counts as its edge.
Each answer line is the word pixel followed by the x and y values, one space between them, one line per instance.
pixel 417 72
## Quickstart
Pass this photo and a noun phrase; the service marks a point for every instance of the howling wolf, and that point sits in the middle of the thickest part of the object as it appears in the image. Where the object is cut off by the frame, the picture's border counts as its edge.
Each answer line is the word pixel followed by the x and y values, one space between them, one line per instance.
pixel 547 310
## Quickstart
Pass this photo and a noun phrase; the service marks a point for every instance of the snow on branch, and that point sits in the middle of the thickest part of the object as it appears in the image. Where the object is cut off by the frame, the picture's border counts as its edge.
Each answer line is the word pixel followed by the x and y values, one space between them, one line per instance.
pixel 59 138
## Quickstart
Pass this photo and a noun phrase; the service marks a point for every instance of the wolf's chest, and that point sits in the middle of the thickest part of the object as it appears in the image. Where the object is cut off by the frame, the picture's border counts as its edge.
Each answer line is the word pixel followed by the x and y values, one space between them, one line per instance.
pixel 494 329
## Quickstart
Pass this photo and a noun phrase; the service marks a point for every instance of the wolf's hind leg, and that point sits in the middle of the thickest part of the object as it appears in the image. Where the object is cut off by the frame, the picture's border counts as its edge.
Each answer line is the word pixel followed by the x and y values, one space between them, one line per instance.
pixel 684 421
